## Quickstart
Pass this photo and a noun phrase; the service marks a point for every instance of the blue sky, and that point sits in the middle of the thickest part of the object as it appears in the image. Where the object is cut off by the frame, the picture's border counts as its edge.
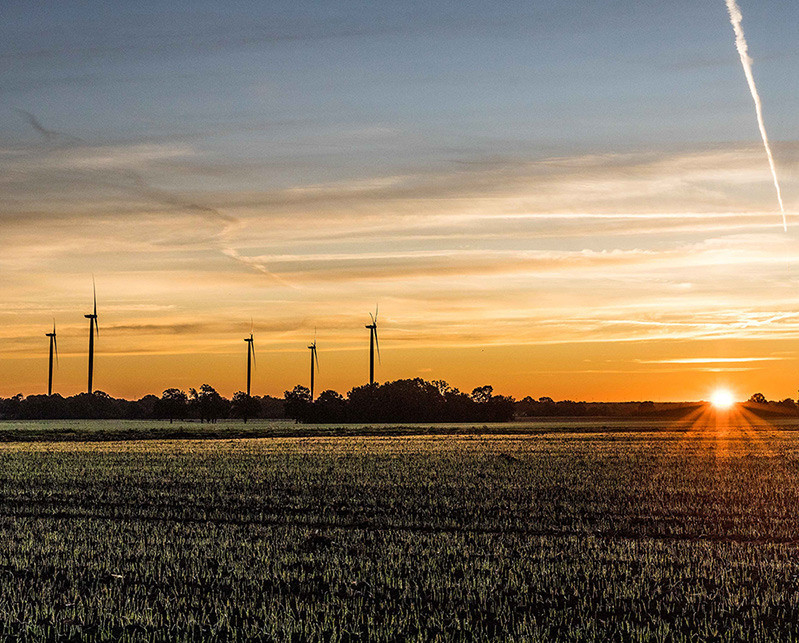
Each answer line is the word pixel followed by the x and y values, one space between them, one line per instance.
pixel 465 78
pixel 496 174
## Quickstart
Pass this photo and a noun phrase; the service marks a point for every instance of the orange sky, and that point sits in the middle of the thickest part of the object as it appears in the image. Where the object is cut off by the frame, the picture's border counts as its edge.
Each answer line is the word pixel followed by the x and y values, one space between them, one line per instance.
pixel 502 290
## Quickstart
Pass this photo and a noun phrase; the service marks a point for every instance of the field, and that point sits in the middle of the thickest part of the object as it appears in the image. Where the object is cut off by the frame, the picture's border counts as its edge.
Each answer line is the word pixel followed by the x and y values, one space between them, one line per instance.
pixel 114 430
pixel 676 532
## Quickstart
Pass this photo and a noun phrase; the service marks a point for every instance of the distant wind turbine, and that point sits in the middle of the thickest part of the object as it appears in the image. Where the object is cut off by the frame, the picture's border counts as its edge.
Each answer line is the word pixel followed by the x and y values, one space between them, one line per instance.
pixel 53 349
pixel 314 361
pixel 93 327
pixel 250 360
pixel 373 343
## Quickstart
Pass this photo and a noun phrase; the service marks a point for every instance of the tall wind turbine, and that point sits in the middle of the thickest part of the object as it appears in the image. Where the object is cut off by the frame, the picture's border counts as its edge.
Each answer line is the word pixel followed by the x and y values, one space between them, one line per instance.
pixel 93 326
pixel 250 360
pixel 314 358
pixel 372 344
pixel 53 347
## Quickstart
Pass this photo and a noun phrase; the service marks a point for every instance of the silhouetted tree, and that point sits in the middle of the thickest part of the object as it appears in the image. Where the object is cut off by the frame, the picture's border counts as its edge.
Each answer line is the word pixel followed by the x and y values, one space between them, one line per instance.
pixel 142 408
pixel 441 385
pixel 10 407
pixel 210 406
pixel 172 404
pixel 362 403
pixel 244 406
pixel 458 406
pixel 758 398
pixel 482 394
pixel 298 403
pixel 330 407
pixel 271 407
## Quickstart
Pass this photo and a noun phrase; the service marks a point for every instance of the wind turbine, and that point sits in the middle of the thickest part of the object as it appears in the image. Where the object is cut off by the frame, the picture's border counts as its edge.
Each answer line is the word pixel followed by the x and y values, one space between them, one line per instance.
pixel 53 347
pixel 314 358
pixel 93 326
pixel 250 360
pixel 372 344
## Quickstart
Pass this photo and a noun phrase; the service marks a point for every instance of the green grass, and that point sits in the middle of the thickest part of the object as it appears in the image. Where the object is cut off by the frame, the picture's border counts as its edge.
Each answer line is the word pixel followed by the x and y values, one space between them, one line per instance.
pixel 116 430
pixel 651 535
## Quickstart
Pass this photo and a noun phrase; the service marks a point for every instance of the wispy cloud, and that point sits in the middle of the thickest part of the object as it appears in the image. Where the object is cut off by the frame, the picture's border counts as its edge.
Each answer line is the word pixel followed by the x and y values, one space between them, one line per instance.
pixel 709 360
pixel 596 250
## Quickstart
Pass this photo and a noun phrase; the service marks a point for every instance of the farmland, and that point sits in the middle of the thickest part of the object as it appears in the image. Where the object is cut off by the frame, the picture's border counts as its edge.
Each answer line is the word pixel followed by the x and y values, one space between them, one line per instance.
pixel 670 532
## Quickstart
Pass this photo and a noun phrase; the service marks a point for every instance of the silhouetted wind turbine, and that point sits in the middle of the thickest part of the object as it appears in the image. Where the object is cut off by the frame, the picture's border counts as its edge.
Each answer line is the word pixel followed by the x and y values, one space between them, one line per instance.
pixel 93 326
pixel 53 347
pixel 314 358
pixel 372 344
pixel 250 360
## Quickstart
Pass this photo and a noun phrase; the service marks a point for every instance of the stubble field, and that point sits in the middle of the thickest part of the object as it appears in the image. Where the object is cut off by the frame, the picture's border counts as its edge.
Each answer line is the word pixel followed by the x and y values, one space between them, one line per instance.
pixel 671 534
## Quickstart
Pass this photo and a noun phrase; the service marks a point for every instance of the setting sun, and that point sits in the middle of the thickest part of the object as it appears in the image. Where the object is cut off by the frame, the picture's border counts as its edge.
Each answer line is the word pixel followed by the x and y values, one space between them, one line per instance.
pixel 722 399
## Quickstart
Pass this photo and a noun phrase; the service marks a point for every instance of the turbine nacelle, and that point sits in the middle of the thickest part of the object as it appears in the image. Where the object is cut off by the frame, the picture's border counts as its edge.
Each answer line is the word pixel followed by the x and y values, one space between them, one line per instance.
pixel 93 316
pixel 54 341
pixel 373 332
pixel 251 347
pixel 373 344
pixel 314 362
pixel 53 353
pixel 314 355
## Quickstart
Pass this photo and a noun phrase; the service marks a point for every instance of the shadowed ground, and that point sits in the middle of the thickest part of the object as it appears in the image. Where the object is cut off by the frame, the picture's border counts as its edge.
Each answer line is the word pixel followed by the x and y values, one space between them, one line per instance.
pixel 663 534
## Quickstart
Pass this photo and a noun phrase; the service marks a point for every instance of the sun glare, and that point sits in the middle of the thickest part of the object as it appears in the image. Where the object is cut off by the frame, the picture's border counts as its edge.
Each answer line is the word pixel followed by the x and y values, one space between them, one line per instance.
pixel 722 399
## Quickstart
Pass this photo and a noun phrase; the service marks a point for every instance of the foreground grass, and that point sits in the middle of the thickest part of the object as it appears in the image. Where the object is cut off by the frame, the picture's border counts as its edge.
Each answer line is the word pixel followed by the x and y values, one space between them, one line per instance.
pixel 683 535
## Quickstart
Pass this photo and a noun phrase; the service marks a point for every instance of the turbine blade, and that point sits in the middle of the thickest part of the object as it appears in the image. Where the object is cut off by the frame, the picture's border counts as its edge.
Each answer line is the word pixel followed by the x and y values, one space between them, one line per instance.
pixel 94 292
pixel 55 346
pixel 252 348
pixel 377 346
pixel 377 306
pixel 316 356
pixel 96 326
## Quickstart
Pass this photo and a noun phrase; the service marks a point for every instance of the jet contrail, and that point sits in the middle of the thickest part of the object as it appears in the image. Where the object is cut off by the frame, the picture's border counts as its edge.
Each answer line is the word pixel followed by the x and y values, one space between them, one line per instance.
pixel 743 50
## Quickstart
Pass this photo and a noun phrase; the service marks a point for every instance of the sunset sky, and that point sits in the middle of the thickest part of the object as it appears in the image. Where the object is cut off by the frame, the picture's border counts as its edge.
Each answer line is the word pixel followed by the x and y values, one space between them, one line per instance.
pixel 567 199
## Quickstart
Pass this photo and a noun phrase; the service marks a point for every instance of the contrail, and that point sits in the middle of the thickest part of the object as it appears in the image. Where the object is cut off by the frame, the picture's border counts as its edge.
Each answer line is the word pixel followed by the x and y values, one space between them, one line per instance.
pixel 743 50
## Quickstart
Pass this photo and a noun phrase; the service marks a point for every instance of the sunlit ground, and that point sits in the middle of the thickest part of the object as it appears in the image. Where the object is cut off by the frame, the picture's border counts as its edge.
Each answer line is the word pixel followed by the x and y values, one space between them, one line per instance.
pixel 730 429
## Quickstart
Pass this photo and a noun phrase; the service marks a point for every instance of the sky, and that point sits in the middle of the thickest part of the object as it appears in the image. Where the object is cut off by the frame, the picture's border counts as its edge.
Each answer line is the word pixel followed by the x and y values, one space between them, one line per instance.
pixel 567 199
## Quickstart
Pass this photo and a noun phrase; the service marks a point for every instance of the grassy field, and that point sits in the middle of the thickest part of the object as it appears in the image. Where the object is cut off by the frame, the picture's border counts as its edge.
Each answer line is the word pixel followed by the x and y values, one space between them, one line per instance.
pixel 117 430
pixel 677 534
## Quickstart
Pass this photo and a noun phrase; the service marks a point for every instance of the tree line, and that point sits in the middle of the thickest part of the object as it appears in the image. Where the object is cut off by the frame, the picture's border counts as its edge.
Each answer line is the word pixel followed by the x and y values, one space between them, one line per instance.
pixel 411 400
pixel 203 404
pixel 407 400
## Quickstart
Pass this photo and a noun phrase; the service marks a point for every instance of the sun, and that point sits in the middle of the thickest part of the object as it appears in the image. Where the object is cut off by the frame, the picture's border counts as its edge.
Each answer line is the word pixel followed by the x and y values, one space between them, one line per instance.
pixel 722 399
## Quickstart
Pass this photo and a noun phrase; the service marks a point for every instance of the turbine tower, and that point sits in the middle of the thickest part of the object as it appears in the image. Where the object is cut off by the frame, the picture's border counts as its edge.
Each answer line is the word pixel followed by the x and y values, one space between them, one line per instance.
pixel 372 344
pixel 93 327
pixel 250 360
pixel 53 348
pixel 314 358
